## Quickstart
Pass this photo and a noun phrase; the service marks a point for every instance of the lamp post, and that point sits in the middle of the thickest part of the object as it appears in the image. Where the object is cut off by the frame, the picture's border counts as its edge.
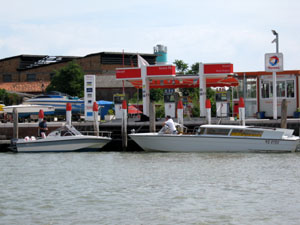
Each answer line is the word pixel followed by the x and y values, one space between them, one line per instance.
pixel 274 80
pixel 276 40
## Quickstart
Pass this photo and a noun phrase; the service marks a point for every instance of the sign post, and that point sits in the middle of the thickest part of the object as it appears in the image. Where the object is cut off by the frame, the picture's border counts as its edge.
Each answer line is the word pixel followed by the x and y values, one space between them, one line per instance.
pixel 274 63
pixel 89 96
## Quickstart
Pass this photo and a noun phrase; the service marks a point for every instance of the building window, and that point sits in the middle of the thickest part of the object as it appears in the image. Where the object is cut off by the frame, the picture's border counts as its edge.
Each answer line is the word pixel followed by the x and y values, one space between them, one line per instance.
pixel 285 89
pixel 290 89
pixel 31 77
pixel 7 78
pixel 238 90
pixel 280 89
pixel 251 88
pixel 265 89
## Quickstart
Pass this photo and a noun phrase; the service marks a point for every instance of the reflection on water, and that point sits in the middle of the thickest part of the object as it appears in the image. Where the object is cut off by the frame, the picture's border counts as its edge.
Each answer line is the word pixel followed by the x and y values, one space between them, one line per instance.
pixel 149 188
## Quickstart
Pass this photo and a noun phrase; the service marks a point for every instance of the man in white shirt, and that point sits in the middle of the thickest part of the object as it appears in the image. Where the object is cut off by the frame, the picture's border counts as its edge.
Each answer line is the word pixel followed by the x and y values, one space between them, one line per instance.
pixel 170 124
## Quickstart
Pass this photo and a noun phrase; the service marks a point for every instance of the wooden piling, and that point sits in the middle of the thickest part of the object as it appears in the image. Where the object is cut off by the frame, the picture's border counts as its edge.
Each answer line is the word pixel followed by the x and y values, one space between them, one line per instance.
pixel 124 125
pixel 96 122
pixel 208 111
pixel 283 114
pixel 180 115
pixel 242 111
pixel 16 123
pixel 152 125
pixel 69 114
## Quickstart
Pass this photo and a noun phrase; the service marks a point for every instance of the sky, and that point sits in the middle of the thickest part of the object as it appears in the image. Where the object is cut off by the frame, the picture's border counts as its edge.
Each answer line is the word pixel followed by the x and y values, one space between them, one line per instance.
pixel 207 31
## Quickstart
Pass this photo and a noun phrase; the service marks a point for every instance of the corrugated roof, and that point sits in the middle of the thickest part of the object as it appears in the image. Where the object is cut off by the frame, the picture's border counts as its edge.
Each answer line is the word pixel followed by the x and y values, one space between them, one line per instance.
pixel 120 53
pixel 20 56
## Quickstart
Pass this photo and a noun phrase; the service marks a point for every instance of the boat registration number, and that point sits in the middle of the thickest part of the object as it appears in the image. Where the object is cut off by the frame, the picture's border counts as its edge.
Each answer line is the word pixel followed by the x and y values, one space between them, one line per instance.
pixel 272 142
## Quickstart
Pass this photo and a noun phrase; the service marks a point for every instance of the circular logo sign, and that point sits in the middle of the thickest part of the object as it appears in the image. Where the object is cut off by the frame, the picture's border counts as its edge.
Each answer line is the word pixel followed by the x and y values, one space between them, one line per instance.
pixel 274 60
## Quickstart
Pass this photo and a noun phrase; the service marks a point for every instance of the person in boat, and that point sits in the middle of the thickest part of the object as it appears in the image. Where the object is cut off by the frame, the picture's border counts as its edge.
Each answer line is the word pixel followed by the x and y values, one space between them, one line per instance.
pixel 170 125
pixel 43 128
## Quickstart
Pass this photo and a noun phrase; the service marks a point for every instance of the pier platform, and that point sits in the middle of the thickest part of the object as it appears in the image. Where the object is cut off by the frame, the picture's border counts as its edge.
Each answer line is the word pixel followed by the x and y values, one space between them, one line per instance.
pixel 114 126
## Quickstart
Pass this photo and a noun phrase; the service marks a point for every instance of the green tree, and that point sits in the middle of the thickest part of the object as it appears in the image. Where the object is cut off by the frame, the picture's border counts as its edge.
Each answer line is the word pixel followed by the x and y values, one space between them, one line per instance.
pixel 181 66
pixel 69 80
pixel 156 94
pixel 3 95
pixel 9 98
pixel 194 69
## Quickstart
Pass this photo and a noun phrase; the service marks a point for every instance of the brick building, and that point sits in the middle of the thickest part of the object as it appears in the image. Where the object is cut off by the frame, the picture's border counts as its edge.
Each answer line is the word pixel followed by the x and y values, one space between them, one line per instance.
pixel 33 73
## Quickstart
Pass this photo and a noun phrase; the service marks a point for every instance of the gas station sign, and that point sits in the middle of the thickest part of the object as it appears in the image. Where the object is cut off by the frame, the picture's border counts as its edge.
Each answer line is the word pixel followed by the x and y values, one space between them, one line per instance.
pixel 128 73
pixel 89 96
pixel 218 68
pixel 273 62
pixel 166 70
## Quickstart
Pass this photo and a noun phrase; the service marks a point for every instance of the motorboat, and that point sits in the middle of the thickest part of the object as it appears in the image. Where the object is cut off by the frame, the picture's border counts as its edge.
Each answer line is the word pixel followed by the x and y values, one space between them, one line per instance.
pixel 59 101
pixel 220 138
pixel 64 139
pixel 28 109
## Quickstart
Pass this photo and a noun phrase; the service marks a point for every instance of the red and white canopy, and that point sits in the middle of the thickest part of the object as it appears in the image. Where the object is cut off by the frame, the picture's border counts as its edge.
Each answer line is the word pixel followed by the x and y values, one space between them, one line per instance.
pixel 164 76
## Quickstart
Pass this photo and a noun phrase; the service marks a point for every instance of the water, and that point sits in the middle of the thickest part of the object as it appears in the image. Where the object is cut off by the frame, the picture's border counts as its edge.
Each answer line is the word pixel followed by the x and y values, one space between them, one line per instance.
pixel 149 188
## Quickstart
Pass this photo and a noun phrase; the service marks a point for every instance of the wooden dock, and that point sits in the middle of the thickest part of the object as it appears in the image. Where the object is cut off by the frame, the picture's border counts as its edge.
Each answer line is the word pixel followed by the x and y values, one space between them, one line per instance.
pixel 114 126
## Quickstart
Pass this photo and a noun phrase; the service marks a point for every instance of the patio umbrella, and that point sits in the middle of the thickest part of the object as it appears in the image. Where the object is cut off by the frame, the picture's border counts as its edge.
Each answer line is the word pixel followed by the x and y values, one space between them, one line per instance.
pixel 133 110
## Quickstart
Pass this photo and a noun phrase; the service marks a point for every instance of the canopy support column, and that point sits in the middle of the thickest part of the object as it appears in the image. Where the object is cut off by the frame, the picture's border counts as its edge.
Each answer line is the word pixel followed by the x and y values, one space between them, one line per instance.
pixel 146 92
pixel 202 90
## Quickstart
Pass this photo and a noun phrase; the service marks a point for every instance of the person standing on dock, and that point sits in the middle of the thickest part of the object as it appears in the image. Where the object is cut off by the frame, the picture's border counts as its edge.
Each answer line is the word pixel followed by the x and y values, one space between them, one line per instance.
pixel 43 128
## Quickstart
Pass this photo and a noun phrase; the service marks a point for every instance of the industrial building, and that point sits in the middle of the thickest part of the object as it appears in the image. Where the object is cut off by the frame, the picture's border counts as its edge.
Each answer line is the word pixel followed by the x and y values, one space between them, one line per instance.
pixel 32 73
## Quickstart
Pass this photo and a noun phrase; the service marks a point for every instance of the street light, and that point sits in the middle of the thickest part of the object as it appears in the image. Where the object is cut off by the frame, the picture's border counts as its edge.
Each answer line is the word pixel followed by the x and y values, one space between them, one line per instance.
pixel 276 40
pixel 274 79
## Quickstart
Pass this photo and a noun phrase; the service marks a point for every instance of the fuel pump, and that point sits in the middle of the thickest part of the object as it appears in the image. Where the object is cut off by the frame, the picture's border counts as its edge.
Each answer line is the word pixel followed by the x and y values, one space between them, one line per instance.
pixel 118 100
pixel 222 104
pixel 169 99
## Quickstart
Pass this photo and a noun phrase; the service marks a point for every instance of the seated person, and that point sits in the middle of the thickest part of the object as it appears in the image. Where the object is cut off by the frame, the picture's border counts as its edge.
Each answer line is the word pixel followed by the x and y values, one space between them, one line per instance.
pixel 170 124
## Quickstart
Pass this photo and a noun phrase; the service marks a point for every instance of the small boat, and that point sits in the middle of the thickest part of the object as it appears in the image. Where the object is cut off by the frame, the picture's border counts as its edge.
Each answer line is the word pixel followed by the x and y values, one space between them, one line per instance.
pixel 64 139
pixel 27 110
pixel 58 101
pixel 220 138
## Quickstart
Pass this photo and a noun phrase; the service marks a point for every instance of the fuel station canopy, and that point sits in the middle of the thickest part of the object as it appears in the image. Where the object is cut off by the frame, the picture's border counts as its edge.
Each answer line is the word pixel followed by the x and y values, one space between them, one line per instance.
pixel 164 76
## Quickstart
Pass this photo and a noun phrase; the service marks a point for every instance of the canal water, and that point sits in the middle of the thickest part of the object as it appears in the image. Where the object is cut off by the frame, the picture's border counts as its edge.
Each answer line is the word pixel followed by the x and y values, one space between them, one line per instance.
pixel 149 188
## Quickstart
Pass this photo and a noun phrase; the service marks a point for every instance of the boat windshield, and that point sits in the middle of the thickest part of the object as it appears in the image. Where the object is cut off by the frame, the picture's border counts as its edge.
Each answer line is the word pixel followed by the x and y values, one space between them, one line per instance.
pixel 65 131
pixel 214 131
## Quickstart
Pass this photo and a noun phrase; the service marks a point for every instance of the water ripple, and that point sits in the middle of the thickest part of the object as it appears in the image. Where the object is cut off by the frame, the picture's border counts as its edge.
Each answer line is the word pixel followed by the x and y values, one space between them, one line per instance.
pixel 149 188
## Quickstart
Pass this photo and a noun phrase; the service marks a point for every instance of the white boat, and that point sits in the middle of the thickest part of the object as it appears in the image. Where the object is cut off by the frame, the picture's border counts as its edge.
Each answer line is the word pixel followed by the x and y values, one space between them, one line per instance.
pixel 220 138
pixel 58 101
pixel 27 110
pixel 64 139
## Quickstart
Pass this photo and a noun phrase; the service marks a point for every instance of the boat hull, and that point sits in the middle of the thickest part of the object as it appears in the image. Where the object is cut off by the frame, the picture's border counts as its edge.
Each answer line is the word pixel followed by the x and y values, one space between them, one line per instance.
pixel 197 143
pixel 74 143
pixel 59 105
pixel 26 110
